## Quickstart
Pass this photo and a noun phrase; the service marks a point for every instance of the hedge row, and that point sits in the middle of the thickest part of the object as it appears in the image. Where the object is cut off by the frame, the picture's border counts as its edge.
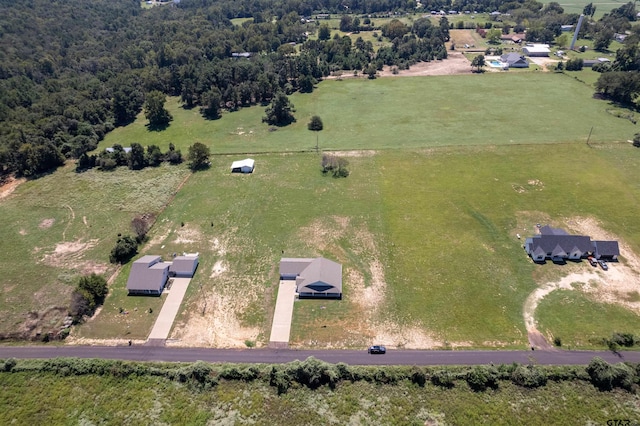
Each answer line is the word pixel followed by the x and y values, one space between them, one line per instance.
pixel 313 373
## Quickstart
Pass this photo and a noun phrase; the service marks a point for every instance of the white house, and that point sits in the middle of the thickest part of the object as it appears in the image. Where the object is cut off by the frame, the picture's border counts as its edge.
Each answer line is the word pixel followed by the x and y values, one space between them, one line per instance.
pixel 243 166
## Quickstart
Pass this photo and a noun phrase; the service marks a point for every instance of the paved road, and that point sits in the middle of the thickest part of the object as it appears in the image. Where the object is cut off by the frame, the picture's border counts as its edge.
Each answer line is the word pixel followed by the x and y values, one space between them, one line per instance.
pixel 275 356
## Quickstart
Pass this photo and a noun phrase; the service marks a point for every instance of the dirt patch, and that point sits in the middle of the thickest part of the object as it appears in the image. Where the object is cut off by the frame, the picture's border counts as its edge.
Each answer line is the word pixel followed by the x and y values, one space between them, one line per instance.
pixel 456 63
pixel 389 334
pixel 68 254
pixel 9 186
pixel 46 223
pixel 543 62
pixel 612 286
pixel 361 153
pixel 188 235
pixel 218 269
pixel 214 323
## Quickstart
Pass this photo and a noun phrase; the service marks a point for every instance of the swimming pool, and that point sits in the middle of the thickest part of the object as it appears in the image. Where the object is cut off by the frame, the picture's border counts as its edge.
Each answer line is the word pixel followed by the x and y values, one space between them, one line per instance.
pixel 497 64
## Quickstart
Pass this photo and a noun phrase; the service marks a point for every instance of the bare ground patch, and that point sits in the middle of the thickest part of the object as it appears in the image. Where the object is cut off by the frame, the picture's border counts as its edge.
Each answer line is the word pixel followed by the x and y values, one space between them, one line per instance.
pixel 188 235
pixel 617 285
pixel 456 63
pixel 46 223
pixel 214 323
pixel 9 186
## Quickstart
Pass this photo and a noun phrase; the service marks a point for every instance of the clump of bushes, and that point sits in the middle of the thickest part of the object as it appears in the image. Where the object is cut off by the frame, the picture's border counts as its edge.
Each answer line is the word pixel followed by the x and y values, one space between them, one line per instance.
pixel 126 247
pixel 336 166
pixel 87 296
pixel 529 376
pixel 605 376
pixel 481 377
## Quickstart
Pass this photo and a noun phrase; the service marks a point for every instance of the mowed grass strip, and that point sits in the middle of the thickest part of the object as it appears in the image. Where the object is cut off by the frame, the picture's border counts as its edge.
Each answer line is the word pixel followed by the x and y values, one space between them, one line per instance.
pixel 489 109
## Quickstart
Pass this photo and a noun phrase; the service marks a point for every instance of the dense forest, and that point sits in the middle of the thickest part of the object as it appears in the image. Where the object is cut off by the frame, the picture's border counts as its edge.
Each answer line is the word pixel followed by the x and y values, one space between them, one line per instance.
pixel 71 71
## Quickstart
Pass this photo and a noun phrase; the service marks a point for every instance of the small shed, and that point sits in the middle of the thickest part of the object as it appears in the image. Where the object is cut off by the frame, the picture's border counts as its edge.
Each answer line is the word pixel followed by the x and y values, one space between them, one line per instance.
pixel 148 276
pixel 243 166
pixel 184 266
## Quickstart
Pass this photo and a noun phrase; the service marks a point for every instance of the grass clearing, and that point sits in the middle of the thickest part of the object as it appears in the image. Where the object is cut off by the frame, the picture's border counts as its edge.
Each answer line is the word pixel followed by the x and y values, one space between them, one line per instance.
pixel 392 113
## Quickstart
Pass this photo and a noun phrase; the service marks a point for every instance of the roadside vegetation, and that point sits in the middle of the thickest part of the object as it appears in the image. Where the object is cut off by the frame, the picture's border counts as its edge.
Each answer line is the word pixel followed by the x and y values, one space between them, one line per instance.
pixel 116 392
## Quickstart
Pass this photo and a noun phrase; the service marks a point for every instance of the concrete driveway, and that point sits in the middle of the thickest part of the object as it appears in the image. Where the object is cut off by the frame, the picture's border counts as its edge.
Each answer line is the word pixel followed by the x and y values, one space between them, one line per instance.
pixel 281 326
pixel 170 308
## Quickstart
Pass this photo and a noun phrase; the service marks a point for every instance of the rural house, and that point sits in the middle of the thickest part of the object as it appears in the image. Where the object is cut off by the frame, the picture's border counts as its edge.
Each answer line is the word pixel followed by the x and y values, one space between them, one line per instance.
pixel 319 277
pixel 555 243
pixel 514 60
pixel 148 275
pixel 184 266
pixel 243 166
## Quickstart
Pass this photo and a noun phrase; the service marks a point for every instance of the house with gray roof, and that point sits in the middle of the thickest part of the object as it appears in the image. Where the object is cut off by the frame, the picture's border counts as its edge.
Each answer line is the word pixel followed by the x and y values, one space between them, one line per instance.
pixel 315 277
pixel 556 243
pixel 148 276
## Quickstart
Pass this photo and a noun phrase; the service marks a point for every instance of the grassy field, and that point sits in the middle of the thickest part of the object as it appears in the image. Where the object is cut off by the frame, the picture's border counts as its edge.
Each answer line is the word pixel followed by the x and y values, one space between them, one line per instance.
pixel 390 113
pixel 577 6
pixel 429 212
pixel 46 398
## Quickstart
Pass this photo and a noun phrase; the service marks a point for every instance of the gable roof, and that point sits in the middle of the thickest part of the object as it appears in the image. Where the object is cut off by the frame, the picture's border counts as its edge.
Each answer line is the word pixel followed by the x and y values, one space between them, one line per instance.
pixel 560 245
pixel 147 273
pixel 547 230
pixel 247 164
pixel 513 58
pixel 313 275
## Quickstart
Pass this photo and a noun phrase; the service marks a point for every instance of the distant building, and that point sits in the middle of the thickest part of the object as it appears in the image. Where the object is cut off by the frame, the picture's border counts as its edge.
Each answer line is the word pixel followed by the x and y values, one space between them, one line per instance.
pixel 536 50
pixel 514 60
pixel 126 149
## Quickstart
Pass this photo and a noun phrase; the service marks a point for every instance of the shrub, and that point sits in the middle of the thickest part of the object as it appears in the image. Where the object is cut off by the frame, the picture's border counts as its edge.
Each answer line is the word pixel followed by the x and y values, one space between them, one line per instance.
pixel 601 374
pixel 481 377
pixel 8 365
pixel 335 165
pixel 557 341
pixel 418 376
pixel 443 378
pixel 529 376
pixel 636 139
pixel 626 340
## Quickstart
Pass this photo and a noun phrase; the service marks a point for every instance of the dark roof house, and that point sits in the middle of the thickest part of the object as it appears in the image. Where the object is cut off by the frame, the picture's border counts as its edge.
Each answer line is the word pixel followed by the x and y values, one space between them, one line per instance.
pixel 317 277
pixel 148 276
pixel 557 243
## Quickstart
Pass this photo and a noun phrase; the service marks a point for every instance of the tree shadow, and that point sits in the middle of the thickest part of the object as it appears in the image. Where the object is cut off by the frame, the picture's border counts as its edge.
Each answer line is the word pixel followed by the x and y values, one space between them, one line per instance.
pixel 157 127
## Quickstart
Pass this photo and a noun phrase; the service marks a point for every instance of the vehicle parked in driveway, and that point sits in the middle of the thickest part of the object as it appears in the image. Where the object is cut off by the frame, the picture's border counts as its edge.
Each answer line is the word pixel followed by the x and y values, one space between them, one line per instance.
pixel 603 264
pixel 592 260
pixel 377 349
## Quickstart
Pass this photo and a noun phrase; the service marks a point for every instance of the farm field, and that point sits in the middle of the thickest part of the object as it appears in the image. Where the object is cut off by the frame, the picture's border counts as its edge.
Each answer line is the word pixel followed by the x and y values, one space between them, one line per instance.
pixel 49 398
pixel 444 172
